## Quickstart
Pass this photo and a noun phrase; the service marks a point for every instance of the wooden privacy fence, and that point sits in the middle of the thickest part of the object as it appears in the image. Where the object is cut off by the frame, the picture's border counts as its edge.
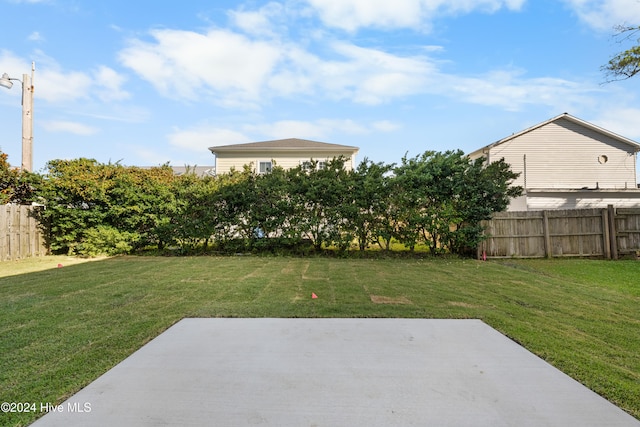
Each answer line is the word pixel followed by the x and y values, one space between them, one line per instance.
pixel 605 233
pixel 20 235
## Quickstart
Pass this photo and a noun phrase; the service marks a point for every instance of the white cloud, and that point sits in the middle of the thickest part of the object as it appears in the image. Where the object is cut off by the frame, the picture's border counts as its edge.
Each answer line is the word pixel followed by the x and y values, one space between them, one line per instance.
pixel 241 71
pixel 511 90
pixel 318 129
pixel 258 22
pixel 35 37
pixel 14 66
pixel 347 126
pixel 203 137
pixel 376 76
pixel 295 73
pixel 605 14
pixel 51 84
pixel 289 129
pixel 184 63
pixel 151 157
pixel 54 84
pixel 69 127
pixel 385 126
pixel 109 84
pixel 361 75
pixel 233 70
pixel 351 15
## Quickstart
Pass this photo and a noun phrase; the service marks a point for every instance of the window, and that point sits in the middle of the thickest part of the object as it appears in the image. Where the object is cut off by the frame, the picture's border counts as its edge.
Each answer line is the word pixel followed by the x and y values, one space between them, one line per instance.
pixel 309 165
pixel 264 167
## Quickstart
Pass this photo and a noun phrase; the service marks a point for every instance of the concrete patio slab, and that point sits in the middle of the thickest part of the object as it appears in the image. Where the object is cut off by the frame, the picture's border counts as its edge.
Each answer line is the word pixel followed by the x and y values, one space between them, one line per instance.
pixel 334 372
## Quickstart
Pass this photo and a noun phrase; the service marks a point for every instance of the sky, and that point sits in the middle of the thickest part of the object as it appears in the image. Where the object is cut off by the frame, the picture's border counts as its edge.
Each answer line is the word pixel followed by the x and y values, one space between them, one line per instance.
pixel 144 82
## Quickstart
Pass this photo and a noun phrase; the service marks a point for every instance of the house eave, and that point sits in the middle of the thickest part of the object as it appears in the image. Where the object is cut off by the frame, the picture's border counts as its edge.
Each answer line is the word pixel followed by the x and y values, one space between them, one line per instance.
pixel 584 190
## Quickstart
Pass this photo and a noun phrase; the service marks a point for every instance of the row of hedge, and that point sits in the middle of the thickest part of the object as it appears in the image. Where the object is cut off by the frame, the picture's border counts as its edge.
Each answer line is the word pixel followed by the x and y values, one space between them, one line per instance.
pixel 436 199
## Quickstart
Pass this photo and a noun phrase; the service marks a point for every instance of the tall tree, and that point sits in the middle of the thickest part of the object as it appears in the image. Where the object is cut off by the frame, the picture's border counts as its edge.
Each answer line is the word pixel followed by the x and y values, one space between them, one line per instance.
pixel 443 196
pixel 625 64
pixel 369 192
pixel 318 193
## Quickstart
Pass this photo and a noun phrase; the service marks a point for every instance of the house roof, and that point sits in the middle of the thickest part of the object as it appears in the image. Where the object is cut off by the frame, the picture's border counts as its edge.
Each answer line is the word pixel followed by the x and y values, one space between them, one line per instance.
pixel 290 144
pixel 571 118
pixel 197 170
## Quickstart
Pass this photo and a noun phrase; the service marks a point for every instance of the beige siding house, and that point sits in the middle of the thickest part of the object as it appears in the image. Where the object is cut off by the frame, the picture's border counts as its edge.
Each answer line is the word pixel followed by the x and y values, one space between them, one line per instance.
pixel 287 153
pixel 567 163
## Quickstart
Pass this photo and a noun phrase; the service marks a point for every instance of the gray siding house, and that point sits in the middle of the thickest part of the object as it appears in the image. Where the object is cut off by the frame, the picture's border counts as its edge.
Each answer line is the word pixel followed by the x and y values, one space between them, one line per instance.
pixel 568 163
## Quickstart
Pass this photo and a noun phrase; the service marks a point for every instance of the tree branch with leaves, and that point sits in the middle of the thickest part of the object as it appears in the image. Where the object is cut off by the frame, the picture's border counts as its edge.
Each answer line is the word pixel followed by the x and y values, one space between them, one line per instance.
pixel 625 64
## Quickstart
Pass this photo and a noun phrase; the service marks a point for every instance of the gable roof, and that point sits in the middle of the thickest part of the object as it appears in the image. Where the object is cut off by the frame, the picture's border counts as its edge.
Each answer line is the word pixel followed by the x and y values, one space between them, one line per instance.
pixel 289 144
pixel 566 116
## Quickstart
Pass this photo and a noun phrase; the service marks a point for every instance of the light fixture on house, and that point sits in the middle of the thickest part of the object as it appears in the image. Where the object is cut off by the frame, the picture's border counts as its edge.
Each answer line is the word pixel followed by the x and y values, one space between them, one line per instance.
pixel 27 114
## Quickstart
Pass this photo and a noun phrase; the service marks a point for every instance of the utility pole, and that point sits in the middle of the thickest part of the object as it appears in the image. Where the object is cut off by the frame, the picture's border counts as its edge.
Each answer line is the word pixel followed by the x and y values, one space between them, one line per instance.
pixel 27 114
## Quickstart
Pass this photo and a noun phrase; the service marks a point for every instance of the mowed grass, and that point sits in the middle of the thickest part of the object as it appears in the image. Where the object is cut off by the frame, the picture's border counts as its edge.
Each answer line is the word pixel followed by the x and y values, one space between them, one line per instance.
pixel 61 328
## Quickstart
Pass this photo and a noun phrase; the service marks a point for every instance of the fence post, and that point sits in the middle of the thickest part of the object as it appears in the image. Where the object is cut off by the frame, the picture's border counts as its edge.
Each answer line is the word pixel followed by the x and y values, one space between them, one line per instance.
pixel 612 232
pixel 548 251
pixel 606 240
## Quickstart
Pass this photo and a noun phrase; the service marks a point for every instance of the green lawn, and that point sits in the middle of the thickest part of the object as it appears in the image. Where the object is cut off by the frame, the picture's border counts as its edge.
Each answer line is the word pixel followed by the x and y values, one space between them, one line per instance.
pixel 60 328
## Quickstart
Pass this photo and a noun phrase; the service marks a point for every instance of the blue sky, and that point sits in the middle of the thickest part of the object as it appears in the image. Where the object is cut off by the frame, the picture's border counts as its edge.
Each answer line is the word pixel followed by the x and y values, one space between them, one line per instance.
pixel 146 82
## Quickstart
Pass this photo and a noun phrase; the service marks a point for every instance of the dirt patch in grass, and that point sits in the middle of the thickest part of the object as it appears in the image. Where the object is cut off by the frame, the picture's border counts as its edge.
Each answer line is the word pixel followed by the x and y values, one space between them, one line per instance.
pixel 463 304
pixel 377 299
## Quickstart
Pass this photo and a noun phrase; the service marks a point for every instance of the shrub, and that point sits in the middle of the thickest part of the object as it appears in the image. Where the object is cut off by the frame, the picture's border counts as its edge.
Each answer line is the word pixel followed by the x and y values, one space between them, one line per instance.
pixel 105 240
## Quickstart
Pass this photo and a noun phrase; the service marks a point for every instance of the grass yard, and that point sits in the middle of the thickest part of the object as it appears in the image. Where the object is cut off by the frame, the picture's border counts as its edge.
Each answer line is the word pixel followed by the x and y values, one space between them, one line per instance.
pixel 60 328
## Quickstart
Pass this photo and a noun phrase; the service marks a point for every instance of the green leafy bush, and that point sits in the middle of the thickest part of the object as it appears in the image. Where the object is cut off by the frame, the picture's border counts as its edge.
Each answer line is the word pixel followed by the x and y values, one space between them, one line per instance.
pixel 106 240
pixel 436 199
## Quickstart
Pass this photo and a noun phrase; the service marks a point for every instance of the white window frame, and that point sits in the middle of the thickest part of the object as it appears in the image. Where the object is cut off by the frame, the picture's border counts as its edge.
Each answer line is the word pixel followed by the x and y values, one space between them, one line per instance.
pixel 268 168
pixel 306 165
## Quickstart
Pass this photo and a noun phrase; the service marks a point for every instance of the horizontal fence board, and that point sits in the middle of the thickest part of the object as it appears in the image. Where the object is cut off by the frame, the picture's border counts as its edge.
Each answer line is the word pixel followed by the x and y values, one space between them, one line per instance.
pixel 561 233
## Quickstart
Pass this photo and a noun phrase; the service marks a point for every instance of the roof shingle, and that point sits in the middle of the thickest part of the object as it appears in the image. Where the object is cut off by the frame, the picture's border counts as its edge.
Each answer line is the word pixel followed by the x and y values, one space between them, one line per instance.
pixel 288 144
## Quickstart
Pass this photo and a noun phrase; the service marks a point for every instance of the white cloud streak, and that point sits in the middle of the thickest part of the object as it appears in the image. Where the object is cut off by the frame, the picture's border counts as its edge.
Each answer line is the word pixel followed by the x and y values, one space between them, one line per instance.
pixel 604 15
pixel 248 70
pixel 351 15
pixel 202 137
pixel 510 90
pixel 109 84
pixel 35 37
pixel 69 127
pixel 55 85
